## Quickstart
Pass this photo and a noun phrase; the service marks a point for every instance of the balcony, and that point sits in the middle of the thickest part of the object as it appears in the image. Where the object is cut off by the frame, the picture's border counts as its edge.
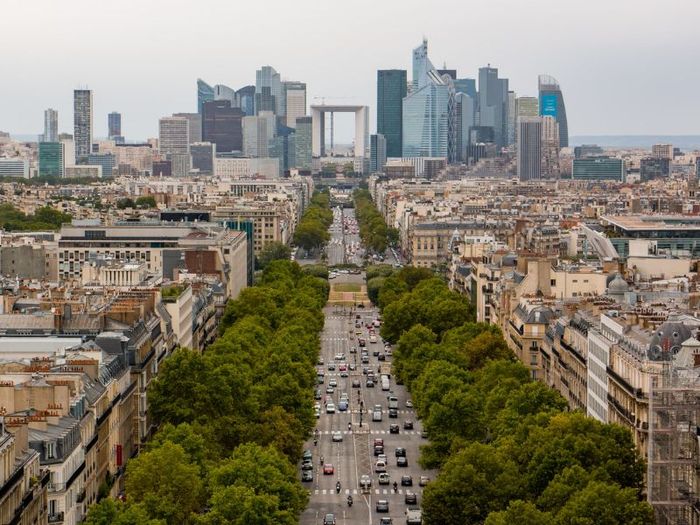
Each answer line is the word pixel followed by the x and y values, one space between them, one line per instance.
pixel 56 518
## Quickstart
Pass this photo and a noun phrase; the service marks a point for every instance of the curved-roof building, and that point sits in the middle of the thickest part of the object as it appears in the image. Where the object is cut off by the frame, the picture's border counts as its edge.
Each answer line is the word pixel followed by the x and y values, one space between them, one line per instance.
pixel 552 104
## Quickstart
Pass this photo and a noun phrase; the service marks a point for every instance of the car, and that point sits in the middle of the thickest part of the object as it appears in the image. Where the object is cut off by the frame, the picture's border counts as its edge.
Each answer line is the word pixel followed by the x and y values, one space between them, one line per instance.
pixel 386 520
pixel 378 449
pixel 410 498
pixel 307 454
pixel 393 413
pixel 376 415
pixel 329 519
pixel 369 384
pixel 343 367
pixel 337 436
pixel 328 469
pixel 408 425
pixel 317 413
pixel 375 353
pixel 330 389
pixel 343 374
pixel 307 465
pixel 393 428
pixel 384 478
pixel 356 383
pixel 342 405
pixel 353 350
pixel 380 466
pixel 352 367
pixel 330 408
pixel 331 367
pixel 381 357
pixel 365 359
pixel 406 481
pixel 378 441
pixel 424 434
pixel 388 351
pixel 409 403
pixel 318 394
pixel 424 480
pixel 333 382
pixel 402 461
pixel 340 357
pixel 307 475
pixel 382 457
pixel 365 481
pixel 400 452
pixel 382 505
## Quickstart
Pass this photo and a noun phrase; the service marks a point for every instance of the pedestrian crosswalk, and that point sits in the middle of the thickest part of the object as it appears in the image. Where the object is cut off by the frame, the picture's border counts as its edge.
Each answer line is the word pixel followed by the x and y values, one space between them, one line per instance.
pixel 355 492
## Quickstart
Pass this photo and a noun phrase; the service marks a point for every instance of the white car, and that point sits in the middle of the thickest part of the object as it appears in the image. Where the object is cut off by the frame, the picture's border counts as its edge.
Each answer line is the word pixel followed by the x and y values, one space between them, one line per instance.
pixel 330 408
pixel 337 436
pixel 380 466
pixel 409 403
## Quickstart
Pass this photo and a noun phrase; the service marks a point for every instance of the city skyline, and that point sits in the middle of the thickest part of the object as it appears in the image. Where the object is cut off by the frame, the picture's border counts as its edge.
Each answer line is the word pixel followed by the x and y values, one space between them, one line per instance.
pixel 596 76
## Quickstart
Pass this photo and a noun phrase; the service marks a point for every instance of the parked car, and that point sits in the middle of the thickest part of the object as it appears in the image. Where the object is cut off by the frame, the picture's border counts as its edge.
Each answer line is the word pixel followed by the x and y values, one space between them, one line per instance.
pixel 307 475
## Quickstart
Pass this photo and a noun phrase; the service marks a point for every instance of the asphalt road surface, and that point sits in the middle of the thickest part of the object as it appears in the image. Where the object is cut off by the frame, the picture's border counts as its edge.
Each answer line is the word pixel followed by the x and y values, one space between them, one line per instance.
pixel 354 455
pixel 344 246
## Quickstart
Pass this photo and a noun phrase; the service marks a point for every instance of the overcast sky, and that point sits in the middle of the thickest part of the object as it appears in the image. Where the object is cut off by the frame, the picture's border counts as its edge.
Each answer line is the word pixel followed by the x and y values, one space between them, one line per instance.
pixel 625 66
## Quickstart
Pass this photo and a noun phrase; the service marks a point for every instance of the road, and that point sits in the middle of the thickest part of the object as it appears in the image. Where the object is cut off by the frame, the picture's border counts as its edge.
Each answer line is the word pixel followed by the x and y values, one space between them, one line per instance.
pixel 354 456
pixel 344 246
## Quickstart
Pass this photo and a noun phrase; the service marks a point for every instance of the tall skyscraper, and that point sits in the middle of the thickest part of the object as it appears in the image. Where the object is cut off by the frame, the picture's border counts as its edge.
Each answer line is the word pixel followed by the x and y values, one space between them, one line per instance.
pixel 391 90
pixel 246 100
pixel 295 101
pixel 552 104
pixel 174 143
pixel 255 136
pixel 52 161
pixel 195 127
pixel 114 125
pixel 203 154
pixel 221 125
pixel 222 92
pixel 529 148
pixel 50 125
pixel 268 91
pixel 493 104
pixel 466 85
pixel 465 122
pixel 428 111
pixel 550 147
pixel 512 118
pixel 303 143
pixel 377 153
pixel 205 93
pixel 82 124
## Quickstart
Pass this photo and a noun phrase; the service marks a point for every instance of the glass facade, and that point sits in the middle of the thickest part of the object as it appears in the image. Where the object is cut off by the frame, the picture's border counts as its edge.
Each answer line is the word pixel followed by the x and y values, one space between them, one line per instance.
pixel 221 125
pixel 426 122
pixel 493 104
pixel 552 104
pixel 205 93
pixel 107 160
pixel 246 100
pixel 599 168
pixel 391 90
pixel 51 161
pixel 114 124
pixel 377 158
pixel 302 144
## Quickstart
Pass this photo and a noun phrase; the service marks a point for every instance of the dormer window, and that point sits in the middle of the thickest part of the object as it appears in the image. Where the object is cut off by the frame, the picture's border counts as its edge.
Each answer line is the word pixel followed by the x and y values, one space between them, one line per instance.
pixel 50 450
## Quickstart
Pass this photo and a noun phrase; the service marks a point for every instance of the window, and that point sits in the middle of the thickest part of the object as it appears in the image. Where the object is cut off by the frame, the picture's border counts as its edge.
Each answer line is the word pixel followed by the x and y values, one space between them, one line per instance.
pixel 553 282
pixel 50 450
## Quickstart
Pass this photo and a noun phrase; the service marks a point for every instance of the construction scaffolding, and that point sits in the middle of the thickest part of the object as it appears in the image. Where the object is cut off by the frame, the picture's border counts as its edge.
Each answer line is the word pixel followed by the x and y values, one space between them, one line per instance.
pixel 673 483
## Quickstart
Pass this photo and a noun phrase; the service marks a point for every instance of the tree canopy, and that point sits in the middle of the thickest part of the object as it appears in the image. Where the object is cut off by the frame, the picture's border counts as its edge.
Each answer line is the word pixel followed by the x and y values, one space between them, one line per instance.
pixel 312 231
pixel 274 251
pixel 374 232
pixel 44 218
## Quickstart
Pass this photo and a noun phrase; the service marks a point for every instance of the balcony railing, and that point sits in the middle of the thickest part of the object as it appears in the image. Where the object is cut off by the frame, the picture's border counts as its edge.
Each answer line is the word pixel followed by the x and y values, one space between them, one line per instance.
pixel 56 518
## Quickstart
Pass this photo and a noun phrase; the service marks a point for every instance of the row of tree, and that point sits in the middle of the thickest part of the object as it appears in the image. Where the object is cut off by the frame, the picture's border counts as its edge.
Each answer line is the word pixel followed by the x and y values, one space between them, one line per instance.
pixel 44 218
pixel 312 231
pixel 232 420
pixel 507 449
pixel 375 234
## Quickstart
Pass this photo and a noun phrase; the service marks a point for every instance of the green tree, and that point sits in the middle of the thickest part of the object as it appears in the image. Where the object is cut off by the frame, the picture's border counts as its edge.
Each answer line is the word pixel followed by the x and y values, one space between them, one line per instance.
pixel 272 252
pixel 606 504
pixel 145 201
pixel 520 512
pixel 125 202
pixel 113 512
pixel 166 483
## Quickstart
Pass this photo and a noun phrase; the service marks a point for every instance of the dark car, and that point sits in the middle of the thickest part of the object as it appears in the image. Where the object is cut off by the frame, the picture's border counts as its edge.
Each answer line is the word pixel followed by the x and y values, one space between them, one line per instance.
pixel 356 383
pixel 382 505
pixel 375 353
pixel 307 475
pixel 408 425
pixel 378 449
pixel 410 498
pixel 393 428
pixel 400 452
pixel 402 461
pixel 369 384
pixel 308 455
pixel 307 465
pixel 381 357
pixel 406 481
pixel 318 394
pixel 393 413
pixel 386 520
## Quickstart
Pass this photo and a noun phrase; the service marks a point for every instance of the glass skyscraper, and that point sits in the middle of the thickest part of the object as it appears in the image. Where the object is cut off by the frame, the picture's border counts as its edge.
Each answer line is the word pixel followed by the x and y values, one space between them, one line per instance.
pixel 205 93
pixel 51 159
pixel 391 90
pixel 246 100
pixel 82 124
pixel 222 125
pixel 50 125
pixel 302 144
pixel 377 158
pixel 552 105
pixel 493 104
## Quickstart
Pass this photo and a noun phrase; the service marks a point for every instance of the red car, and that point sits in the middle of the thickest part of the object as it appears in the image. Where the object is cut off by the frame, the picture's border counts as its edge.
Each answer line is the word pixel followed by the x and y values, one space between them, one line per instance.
pixel 328 469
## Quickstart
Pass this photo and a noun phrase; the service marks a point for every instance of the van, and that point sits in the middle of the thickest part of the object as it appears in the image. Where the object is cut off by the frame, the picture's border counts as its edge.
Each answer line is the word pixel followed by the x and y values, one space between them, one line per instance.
pixel 393 402
pixel 386 386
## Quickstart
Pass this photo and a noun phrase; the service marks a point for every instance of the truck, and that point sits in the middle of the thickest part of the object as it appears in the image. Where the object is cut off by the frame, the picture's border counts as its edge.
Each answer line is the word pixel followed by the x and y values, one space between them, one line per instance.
pixel 414 517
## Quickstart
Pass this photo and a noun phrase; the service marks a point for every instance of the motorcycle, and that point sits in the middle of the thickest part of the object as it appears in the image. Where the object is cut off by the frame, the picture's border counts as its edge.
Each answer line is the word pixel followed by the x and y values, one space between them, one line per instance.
pixel 337 488
pixel 349 501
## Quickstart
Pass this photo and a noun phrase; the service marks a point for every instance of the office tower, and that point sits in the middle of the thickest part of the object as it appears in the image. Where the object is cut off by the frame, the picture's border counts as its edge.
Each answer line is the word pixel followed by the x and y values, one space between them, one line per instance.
pixel 205 93
pixel 550 147
pixel 82 124
pixel 452 73
pixel 162 168
pixel 50 125
pixel 654 168
pixel 588 150
pixel 268 91
pixel 465 122
pixel 493 103
pixel 662 151
pixel 114 125
pixel 222 92
pixel 255 136
pixel 527 107
pixel 391 90
pixel 221 125
pixel 195 125
pixel 529 148
pixel 599 168
pixel 377 156
pixel 295 101
pixel 51 159
pixel 466 85
pixel 203 154
pixel 246 100
pixel 174 143
pixel 107 160
pixel 14 167
pixel 512 118
pixel 303 143
pixel 428 111
pixel 282 147
pixel 552 104
pixel 68 149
